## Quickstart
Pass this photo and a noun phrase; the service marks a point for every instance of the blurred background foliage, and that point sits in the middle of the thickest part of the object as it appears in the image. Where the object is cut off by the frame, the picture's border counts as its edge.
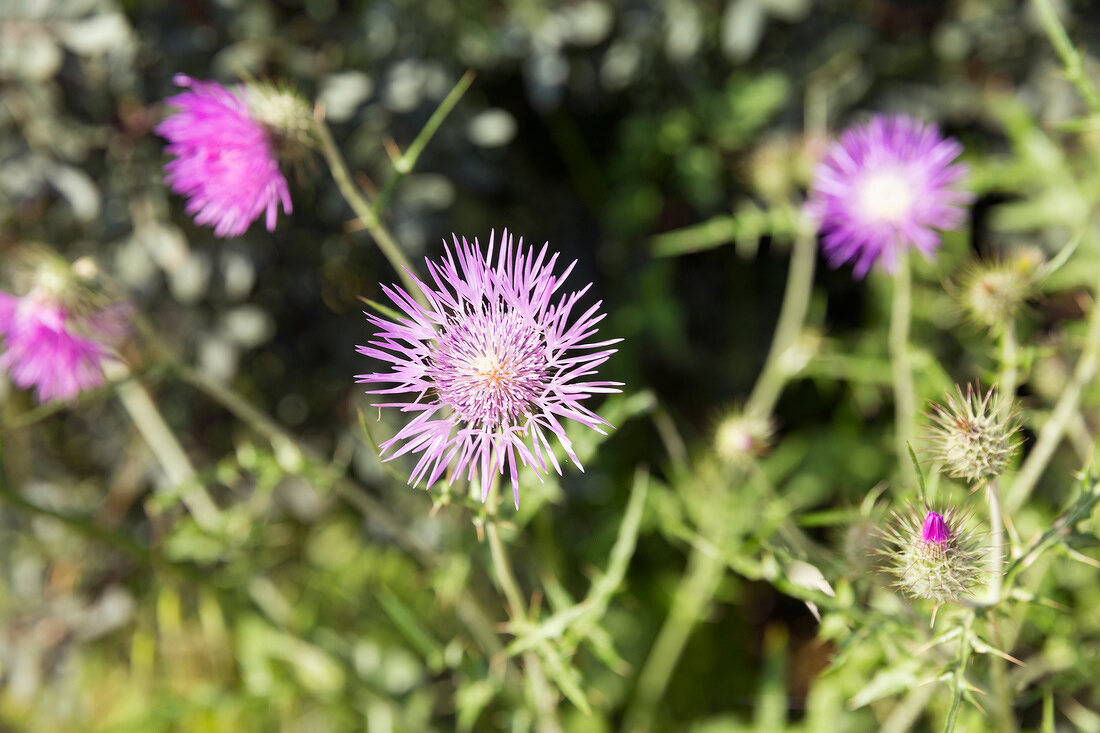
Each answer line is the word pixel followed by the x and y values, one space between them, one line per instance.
pixel 666 146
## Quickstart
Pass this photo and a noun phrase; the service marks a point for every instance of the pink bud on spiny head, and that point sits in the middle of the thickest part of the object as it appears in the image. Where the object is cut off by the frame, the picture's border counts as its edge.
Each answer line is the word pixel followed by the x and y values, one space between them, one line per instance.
pixel 935 529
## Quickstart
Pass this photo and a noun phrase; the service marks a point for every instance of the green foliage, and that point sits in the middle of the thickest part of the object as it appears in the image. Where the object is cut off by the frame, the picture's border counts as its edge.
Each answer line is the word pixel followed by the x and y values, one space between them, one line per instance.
pixel 210 543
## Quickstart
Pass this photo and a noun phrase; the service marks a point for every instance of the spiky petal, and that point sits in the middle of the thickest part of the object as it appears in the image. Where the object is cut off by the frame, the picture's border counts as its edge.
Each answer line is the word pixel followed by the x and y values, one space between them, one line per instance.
pixel 225 161
pixel 490 366
pixel 974 435
pixel 937 558
pixel 885 186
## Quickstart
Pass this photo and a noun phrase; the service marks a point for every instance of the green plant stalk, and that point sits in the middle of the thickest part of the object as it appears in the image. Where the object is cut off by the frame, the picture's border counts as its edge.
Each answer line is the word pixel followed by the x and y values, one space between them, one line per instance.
pixel 1050 435
pixel 406 162
pixel 705 569
pixel 1002 694
pixel 1009 378
pixel 792 317
pixel 543 696
pixel 169 453
pixel 958 680
pixel 1071 59
pixel 693 597
pixel 363 210
pixel 905 409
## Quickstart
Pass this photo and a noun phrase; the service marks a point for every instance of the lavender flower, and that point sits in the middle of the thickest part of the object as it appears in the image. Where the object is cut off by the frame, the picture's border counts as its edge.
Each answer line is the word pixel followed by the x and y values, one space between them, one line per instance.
pixel 490 366
pixel 937 559
pixel 54 348
pixel 885 186
pixel 225 157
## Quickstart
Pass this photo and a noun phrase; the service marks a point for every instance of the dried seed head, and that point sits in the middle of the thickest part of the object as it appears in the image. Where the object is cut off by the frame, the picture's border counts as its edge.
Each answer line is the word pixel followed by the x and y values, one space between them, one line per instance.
pixel 994 292
pixel 937 557
pixel 974 436
pixel 741 436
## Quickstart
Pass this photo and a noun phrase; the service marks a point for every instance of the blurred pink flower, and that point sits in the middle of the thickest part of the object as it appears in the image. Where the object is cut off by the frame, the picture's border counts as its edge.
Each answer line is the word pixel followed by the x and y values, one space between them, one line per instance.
pixel 225 161
pixel 60 354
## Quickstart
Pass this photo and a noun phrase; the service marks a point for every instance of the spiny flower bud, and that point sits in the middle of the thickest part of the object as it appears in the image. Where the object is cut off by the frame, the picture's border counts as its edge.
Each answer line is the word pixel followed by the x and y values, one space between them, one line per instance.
pixel 740 436
pixel 937 558
pixel 974 436
pixel 993 292
pixel 285 115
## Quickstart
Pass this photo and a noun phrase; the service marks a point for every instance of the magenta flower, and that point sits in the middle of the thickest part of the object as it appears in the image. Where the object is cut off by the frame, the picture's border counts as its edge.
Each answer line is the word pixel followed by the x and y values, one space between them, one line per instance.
pixel 225 161
pixel 935 529
pixel 49 347
pixel 885 186
pixel 491 366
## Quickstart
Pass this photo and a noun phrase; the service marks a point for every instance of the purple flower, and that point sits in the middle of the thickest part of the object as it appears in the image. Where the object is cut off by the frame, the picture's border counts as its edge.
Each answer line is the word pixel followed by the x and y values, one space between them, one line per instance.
pixel 885 186
pixel 225 161
pixel 49 347
pixel 935 529
pixel 490 366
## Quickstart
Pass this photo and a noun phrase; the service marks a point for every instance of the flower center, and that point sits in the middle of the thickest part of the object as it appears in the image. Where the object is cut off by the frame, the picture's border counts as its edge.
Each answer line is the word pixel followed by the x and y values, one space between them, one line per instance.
pixel 885 196
pixel 489 367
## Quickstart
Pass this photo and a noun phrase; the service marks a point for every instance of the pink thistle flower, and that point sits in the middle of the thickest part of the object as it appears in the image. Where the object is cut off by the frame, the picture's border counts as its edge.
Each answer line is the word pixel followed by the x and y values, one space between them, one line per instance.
pixel 225 158
pixel 935 529
pixel 885 186
pixel 51 348
pixel 491 366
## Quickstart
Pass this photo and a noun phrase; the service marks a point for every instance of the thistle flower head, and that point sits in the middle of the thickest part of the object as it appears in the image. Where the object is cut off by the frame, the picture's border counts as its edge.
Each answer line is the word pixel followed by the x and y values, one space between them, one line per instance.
pixel 490 366
pixel 883 187
pixel 994 292
pixel 740 436
pixel 937 557
pixel 225 157
pixel 974 436
pixel 57 335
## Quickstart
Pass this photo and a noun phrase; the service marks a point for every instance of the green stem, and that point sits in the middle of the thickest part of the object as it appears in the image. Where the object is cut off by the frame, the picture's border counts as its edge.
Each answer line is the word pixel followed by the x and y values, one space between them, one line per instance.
pixel 705 569
pixel 1071 59
pixel 693 597
pixel 996 542
pixel 958 681
pixel 406 162
pixel 168 451
pixel 792 317
pixel 1010 371
pixel 904 394
pixel 363 210
pixel 1050 435
pixel 543 696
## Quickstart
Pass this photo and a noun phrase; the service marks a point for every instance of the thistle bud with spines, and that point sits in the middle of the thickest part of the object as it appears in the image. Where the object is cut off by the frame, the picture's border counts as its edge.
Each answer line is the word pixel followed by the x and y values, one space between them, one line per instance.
pixel 936 556
pixel 974 436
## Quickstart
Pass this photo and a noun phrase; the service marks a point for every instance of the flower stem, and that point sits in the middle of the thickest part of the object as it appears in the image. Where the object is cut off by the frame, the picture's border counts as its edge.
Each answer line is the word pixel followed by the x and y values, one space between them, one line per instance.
pixel 693 596
pixel 363 210
pixel 705 569
pixel 1064 411
pixel 996 541
pixel 167 449
pixel 904 395
pixel 543 696
pixel 1071 59
pixel 406 162
pixel 958 680
pixel 792 316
